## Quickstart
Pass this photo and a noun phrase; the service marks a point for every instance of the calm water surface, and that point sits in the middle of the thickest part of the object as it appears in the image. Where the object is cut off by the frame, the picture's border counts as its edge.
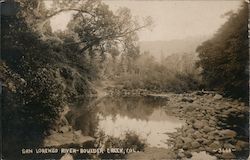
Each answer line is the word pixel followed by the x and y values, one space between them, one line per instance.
pixel 115 117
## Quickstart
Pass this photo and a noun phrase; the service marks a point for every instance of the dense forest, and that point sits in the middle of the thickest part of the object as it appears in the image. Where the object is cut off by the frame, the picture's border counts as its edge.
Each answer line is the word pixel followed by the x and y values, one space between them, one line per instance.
pixel 224 58
pixel 42 71
pixel 176 73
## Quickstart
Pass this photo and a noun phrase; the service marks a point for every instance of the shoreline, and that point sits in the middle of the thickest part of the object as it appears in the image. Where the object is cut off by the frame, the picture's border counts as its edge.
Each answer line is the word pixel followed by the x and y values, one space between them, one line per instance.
pixel 205 114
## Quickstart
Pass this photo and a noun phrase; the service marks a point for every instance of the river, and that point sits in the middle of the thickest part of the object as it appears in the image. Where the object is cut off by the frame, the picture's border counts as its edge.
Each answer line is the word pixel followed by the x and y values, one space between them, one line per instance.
pixel 144 117
pixel 143 125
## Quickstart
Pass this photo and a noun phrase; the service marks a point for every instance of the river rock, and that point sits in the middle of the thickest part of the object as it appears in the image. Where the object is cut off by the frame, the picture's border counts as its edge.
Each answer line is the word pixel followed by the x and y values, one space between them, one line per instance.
pixel 215 145
pixel 207 129
pixel 199 116
pixel 192 120
pixel 64 129
pixel 241 145
pixel 208 149
pixel 188 154
pixel 227 133
pixel 212 123
pixel 218 97
pixel 178 143
pixel 224 115
pixel 241 116
pixel 184 134
pixel 199 93
pixel 78 133
pixel 185 147
pixel 210 137
pixel 196 135
pixel 187 139
pixel 233 110
pixel 198 125
pixel 181 155
pixel 189 108
pixel 228 155
pixel 229 146
pixel 195 144
pixel 242 104
pixel 187 100
pixel 200 140
pixel 51 131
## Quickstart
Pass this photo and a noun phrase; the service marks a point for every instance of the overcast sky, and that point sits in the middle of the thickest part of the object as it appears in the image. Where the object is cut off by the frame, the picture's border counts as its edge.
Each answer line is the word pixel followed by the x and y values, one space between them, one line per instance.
pixel 172 19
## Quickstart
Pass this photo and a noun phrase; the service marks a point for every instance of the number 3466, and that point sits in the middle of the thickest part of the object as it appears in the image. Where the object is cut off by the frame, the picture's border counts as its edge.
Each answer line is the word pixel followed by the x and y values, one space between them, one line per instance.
pixel 226 150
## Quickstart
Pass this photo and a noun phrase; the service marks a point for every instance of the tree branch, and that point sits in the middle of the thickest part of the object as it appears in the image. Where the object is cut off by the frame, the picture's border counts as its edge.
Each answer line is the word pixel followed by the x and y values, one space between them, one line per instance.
pixel 107 37
pixel 65 10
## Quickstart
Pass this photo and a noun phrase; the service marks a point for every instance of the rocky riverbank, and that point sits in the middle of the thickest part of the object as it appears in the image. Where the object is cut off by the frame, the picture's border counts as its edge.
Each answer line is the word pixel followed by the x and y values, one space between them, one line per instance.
pixel 214 124
pixel 121 92
pixel 63 134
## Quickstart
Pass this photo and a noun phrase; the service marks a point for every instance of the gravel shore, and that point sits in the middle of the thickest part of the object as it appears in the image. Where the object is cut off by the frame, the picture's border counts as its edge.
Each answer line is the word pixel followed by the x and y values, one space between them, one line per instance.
pixel 214 124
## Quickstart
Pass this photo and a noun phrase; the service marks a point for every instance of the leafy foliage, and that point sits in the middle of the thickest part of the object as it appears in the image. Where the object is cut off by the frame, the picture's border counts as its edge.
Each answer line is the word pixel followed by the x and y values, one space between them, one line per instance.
pixel 143 72
pixel 43 70
pixel 130 140
pixel 224 58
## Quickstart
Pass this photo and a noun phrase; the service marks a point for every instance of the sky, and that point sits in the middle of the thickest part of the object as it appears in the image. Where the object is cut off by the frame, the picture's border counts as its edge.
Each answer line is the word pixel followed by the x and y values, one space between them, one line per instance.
pixel 172 19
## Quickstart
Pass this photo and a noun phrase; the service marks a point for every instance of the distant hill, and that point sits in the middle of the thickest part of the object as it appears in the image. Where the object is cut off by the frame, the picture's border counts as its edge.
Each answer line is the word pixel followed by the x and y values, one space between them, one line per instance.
pixel 162 49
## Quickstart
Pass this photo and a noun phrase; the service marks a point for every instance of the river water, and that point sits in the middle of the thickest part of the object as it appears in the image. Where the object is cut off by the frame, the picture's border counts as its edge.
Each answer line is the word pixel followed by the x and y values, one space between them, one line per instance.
pixel 117 117
pixel 131 122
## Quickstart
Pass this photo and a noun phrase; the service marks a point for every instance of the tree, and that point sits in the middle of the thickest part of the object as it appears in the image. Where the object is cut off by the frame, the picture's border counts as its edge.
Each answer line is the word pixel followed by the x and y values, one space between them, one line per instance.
pixel 51 67
pixel 224 58
pixel 97 27
pixel 32 98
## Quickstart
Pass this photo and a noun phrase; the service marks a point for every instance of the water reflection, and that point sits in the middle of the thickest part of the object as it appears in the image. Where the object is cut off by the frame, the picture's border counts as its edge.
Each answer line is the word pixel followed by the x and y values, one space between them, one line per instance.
pixel 115 117
pixel 83 118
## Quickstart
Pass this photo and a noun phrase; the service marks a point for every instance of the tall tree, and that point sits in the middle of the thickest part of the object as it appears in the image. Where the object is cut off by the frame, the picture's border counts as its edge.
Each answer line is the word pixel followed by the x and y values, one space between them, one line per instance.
pixel 40 59
pixel 224 58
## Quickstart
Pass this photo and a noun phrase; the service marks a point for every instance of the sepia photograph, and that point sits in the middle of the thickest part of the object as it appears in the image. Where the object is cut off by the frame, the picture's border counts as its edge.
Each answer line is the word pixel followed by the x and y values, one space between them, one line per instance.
pixel 124 79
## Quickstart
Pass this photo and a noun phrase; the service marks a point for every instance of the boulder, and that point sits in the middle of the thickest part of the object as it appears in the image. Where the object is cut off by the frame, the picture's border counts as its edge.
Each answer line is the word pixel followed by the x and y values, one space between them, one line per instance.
pixel 196 135
pixel 187 139
pixel 200 140
pixel 192 119
pixel 189 108
pixel 178 143
pixel 228 155
pixel 212 122
pixel 200 93
pixel 78 133
pixel 210 137
pixel 241 116
pixel 64 129
pixel 51 131
pixel 227 133
pixel 240 145
pixel 242 104
pixel 198 125
pixel 218 97
pixel 188 154
pixel 207 129
pixel 195 144
pixel 187 100
pixel 215 146
pixel 208 149
pixel 229 146
pixel 185 147
pixel 181 155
